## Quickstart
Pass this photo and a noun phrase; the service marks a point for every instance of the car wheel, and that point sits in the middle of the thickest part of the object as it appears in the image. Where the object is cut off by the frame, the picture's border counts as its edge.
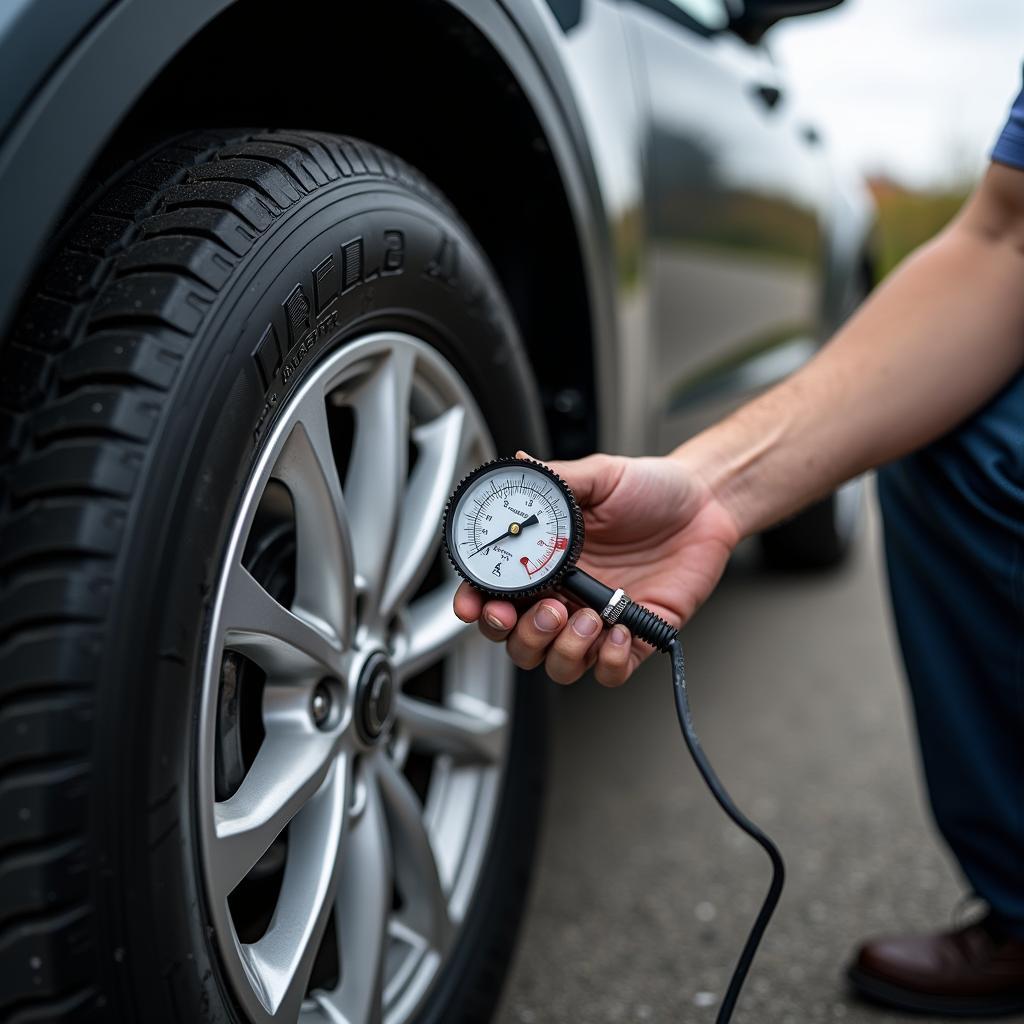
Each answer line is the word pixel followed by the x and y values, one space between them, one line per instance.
pixel 253 768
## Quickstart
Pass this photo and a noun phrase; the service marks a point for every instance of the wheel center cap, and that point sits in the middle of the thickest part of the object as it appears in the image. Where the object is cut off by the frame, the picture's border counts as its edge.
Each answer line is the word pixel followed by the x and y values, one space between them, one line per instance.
pixel 375 698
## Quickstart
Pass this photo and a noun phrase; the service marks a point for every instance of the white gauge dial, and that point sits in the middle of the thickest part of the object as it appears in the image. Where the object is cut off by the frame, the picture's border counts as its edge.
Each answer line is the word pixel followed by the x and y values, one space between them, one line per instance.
pixel 510 528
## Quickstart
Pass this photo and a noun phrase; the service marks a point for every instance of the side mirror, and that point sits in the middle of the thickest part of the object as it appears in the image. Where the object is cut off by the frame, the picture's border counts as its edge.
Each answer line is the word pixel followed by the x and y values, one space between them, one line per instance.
pixel 757 16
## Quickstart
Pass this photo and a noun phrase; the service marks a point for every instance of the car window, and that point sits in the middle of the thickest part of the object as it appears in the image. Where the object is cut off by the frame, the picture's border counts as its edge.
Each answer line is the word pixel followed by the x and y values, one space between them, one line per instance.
pixel 703 16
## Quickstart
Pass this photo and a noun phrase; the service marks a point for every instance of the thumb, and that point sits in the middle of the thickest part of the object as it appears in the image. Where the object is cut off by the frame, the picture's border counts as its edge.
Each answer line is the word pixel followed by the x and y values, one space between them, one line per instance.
pixel 592 478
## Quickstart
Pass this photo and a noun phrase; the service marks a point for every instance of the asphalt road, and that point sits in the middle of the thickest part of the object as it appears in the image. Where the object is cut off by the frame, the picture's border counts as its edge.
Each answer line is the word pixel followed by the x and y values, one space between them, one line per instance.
pixel 644 891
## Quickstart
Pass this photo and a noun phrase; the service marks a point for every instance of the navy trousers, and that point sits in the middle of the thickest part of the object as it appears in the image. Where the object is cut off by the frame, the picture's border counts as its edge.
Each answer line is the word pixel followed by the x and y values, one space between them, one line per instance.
pixel 954 539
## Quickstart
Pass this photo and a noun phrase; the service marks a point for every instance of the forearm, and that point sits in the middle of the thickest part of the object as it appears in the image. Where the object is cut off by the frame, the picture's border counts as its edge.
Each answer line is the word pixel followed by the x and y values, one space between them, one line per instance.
pixel 941 336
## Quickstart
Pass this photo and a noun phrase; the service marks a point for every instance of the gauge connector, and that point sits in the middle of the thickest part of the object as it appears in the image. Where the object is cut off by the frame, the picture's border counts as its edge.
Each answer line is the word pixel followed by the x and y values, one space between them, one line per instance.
pixel 616 606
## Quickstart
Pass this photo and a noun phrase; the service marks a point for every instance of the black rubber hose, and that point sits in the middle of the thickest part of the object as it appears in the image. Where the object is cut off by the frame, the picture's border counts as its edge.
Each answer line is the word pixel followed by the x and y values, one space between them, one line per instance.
pixel 739 974
pixel 654 630
pixel 650 628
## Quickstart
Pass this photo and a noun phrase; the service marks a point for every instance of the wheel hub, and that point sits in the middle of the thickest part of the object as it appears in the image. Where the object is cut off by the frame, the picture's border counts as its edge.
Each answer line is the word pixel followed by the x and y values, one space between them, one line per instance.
pixel 375 698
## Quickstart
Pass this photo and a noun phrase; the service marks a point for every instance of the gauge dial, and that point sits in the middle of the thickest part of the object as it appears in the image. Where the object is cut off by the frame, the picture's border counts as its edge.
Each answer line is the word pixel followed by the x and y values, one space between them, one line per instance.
pixel 512 527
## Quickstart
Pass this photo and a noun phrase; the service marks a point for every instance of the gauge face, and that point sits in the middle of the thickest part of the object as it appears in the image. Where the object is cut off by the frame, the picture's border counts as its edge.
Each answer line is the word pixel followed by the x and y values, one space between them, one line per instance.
pixel 511 527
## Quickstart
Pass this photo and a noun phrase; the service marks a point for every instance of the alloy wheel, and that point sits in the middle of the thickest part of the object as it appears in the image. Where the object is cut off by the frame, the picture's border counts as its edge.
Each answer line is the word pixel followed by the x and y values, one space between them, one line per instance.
pixel 352 732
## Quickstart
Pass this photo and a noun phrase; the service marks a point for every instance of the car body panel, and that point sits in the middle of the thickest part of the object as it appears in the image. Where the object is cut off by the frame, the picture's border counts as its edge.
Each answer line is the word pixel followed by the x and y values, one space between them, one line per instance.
pixel 737 244
pixel 619 95
pixel 74 108
pixel 734 238
pixel 734 204
pixel 601 77
pixel 34 38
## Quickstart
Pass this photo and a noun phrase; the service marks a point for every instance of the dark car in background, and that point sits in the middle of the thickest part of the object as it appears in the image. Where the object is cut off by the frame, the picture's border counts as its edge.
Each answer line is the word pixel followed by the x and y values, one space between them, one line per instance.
pixel 274 277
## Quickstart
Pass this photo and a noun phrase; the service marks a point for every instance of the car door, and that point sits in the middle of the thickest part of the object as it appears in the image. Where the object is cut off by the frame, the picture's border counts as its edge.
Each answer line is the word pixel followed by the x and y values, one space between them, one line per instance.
pixel 733 201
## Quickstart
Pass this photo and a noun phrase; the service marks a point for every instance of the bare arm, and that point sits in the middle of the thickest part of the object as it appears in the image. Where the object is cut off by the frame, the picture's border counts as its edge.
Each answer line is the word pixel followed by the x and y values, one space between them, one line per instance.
pixel 930 346
pixel 940 337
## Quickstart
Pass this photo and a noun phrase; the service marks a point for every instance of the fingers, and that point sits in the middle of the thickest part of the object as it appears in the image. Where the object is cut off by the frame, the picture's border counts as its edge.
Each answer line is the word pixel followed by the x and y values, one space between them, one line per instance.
pixel 494 618
pixel 528 644
pixel 567 645
pixel 614 658
pixel 468 603
pixel 592 478
pixel 574 650
pixel 497 619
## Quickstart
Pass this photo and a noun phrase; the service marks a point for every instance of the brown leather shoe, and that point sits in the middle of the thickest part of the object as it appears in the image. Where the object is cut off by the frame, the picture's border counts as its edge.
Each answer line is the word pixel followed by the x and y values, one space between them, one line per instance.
pixel 974 971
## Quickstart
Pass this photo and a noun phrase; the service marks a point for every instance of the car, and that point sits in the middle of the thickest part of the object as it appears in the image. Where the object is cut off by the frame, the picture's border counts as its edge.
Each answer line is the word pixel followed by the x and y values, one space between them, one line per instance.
pixel 275 276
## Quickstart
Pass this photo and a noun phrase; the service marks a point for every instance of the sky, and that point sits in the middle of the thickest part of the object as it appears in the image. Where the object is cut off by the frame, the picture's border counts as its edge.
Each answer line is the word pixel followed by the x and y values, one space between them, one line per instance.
pixel 913 89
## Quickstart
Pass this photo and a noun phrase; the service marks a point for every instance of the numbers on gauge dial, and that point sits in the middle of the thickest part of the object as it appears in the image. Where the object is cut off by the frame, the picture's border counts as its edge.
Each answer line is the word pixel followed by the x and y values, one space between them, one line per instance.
pixel 511 528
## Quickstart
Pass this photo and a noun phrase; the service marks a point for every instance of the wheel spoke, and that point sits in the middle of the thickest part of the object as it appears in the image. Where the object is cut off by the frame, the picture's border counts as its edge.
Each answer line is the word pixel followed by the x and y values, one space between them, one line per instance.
pixel 324 565
pixel 425 908
pixel 467 728
pixel 377 471
pixel 441 444
pixel 292 763
pixel 279 641
pixel 431 629
pixel 282 960
pixel 363 908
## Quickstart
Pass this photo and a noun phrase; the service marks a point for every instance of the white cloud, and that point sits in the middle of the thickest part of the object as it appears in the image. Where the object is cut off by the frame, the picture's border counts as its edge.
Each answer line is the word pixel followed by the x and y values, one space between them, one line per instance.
pixel 917 89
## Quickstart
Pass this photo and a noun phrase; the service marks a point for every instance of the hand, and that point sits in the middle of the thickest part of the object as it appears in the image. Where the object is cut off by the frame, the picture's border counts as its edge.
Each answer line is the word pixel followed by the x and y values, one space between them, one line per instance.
pixel 654 529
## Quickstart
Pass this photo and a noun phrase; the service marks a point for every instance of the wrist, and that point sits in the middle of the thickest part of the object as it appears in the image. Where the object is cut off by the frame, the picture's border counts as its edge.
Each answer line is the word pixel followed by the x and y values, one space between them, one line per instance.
pixel 728 459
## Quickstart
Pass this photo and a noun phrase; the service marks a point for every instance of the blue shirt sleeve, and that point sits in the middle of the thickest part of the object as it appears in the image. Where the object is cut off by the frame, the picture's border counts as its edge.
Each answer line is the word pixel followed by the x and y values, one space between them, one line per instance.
pixel 1009 148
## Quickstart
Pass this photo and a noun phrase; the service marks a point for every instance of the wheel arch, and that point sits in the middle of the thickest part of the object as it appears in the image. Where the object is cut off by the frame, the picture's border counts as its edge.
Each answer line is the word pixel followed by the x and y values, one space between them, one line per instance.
pixel 461 78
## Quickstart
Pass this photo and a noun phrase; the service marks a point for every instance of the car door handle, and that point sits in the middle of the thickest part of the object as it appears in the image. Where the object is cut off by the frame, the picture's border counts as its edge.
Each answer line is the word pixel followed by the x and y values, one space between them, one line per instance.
pixel 769 95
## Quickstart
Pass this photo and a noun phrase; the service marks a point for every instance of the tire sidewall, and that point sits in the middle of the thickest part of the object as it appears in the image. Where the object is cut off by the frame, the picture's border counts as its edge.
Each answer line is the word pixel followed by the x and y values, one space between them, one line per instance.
pixel 224 404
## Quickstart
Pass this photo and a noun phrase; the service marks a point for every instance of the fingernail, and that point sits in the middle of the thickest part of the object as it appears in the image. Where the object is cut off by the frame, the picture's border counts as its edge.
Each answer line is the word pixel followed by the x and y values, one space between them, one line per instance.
pixel 619 635
pixel 493 620
pixel 586 624
pixel 545 619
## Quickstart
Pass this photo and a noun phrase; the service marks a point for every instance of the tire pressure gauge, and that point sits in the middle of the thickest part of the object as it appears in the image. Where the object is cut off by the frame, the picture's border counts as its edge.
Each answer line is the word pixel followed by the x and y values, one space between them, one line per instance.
pixel 513 529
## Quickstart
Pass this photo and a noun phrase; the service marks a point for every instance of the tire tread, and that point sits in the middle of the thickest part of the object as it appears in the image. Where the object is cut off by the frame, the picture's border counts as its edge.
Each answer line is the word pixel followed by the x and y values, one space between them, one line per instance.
pixel 84 382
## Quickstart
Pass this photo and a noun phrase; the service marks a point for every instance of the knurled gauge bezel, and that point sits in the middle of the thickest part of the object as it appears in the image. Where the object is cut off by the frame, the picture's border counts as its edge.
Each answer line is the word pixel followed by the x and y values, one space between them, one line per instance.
pixel 573 547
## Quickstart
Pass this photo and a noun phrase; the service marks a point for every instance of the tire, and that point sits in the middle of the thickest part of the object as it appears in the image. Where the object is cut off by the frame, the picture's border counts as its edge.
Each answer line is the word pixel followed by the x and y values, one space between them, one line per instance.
pixel 182 325
pixel 821 537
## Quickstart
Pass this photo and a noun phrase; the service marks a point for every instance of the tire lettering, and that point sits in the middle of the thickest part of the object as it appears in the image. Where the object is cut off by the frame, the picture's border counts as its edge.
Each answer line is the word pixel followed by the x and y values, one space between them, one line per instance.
pixel 352 264
pixel 325 283
pixel 267 355
pixel 309 314
pixel 296 309
pixel 445 264
pixel 394 252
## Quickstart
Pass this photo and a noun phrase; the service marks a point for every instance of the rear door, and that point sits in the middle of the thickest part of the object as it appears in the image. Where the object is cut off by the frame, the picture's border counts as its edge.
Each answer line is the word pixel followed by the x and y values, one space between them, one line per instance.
pixel 734 186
